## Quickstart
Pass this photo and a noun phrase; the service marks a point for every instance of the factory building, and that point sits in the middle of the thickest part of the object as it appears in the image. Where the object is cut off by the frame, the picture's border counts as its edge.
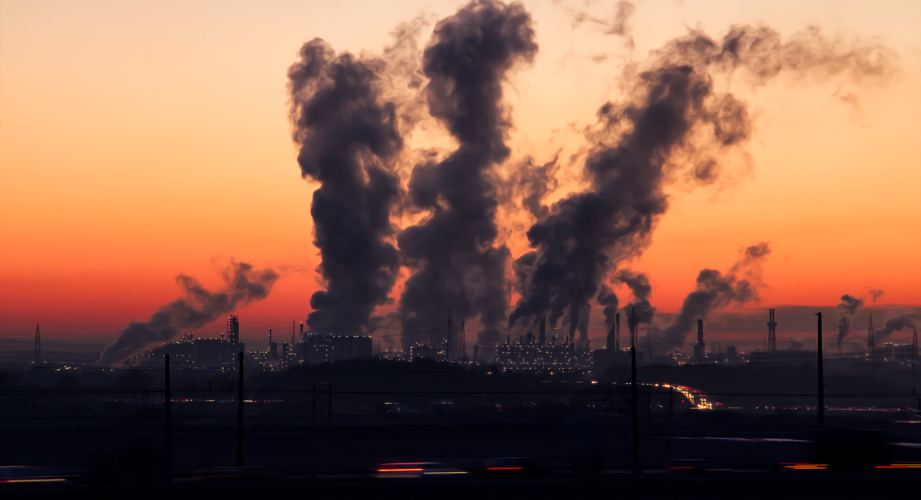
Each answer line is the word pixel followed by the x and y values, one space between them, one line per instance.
pixel 529 357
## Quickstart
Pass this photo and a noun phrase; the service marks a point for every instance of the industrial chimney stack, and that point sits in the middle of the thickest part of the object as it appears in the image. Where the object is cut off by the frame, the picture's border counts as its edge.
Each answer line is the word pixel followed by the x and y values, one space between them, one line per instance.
pixel 37 353
pixel 700 349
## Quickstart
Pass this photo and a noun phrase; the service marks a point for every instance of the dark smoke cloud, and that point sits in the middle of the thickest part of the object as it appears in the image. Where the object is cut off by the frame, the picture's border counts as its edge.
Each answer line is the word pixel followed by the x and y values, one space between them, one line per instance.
pixel 348 138
pixel 198 308
pixel 909 320
pixel 452 253
pixel 716 290
pixel 608 300
pixel 875 294
pixel 846 311
pixel 673 126
pixel 640 310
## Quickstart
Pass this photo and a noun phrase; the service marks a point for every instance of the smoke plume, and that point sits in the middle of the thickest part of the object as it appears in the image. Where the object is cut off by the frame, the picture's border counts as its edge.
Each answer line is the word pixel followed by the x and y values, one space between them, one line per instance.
pixel 716 290
pixel 452 253
pixel 197 308
pixel 896 324
pixel 875 294
pixel 640 310
pixel 673 126
pixel 608 299
pixel 846 311
pixel 348 138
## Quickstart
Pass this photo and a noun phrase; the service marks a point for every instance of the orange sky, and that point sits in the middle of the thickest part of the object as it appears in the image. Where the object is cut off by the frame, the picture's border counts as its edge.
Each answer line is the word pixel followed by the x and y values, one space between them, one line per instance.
pixel 141 140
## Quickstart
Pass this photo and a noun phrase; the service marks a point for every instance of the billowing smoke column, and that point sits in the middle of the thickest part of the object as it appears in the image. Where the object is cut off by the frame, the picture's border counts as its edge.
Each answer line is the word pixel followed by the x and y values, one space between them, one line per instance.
pixel 672 126
pixel 198 308
pixel 640 310
pixel 348 137
pixel 846 310
pixel 608 299
pixel 875 294
pixel 896 324
pixel 452 253
pixel 716 290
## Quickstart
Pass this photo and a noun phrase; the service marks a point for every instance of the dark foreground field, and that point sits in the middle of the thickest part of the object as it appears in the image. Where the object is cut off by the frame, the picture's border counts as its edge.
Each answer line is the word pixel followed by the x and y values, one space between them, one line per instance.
pixel 811 484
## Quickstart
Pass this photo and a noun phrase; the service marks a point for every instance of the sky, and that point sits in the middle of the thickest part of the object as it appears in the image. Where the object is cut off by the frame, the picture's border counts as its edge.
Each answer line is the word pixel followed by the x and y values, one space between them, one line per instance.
pixel 142 140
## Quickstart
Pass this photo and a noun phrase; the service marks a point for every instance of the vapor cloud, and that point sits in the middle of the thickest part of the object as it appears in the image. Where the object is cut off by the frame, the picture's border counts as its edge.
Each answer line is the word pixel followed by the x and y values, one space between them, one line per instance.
pixel 716 290
pixel 198 307
pixel 348 137
pixel 909 320
pixel 672 126
pixel 846 310
pixel 452 253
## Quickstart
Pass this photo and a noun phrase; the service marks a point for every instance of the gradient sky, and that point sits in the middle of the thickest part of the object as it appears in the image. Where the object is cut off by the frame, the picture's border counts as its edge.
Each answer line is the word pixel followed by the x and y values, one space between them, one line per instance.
pixel 140 140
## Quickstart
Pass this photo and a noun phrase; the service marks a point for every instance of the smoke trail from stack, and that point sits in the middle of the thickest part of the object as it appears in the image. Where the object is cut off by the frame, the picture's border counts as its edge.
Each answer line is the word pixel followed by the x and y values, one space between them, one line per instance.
pixel 673 126
pixel 640 310
pixel 199 306
pixel 716 290
pixel 452 253
pixel 348 138
pixel 909 320
pixel 846 311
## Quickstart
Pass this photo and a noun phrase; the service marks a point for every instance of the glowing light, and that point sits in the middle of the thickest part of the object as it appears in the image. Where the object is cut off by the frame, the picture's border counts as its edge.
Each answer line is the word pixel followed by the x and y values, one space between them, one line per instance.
pixel 50 480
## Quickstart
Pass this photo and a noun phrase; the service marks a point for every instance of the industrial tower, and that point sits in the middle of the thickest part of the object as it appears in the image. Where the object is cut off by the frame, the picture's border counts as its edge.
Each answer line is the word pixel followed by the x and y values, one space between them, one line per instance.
pixel 914 343
pixel 463 343
pixel 450 334
pixel 871 345
pixel 233 330
pixel 37 353
pixel 617 332
pixel 772 334
pixel 700 348
pixel 543 330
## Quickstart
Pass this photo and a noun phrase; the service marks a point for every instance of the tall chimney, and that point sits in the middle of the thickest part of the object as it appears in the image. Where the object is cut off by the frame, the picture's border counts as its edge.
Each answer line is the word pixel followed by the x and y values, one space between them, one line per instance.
pixel 617 335
pixel 543 330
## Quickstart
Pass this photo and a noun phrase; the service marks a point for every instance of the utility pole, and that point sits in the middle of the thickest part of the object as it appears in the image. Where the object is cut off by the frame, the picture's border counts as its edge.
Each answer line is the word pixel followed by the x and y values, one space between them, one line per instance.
pixel 240 415
pixel 169 422
pixel 821 378
pixel 636 417
pixel 330 405
pixel 671 407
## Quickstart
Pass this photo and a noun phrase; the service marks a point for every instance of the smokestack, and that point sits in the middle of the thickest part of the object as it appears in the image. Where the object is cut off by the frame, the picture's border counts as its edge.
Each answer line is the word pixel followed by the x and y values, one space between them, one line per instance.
pixel 302 329
pixel 617 337
pixel 700 351
pixel 871 346
pixel 449 340
pixel 543 330
pixel 270 339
